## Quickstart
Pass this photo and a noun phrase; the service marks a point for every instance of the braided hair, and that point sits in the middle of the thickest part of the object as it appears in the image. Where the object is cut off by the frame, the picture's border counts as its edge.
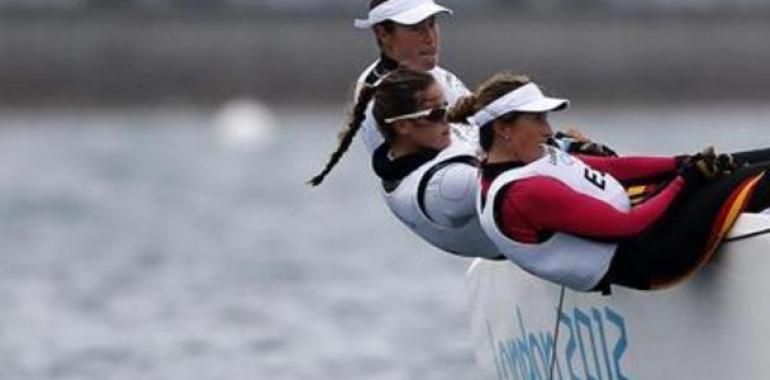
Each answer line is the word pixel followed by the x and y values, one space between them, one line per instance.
pixel 358 115
pixel 397 93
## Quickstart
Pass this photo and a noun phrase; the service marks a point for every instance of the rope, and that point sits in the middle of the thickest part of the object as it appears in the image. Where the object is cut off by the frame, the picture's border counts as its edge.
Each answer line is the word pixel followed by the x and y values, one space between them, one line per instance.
pixel 748 235
pixel 556 332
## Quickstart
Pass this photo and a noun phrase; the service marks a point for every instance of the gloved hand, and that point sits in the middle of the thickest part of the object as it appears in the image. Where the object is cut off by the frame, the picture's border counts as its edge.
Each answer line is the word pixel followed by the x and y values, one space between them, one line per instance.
pixel 575 142
pixel 699 169
pixel 594 149
pixel 727 164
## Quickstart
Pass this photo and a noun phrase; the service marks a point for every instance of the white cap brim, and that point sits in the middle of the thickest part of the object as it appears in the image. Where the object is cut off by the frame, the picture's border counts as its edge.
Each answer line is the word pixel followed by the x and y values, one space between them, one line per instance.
pixel 408 16
pixel 527 98
pixel 420 13
pixel 544 105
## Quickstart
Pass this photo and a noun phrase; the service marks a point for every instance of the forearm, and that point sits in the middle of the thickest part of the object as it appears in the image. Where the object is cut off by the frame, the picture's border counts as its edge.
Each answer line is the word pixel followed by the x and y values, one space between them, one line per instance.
pixel 552 206
pixel 631 168
pixel 752 156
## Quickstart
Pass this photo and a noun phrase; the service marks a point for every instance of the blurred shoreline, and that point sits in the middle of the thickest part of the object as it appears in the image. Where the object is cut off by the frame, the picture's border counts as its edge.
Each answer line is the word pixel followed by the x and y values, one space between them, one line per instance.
pixel 205 57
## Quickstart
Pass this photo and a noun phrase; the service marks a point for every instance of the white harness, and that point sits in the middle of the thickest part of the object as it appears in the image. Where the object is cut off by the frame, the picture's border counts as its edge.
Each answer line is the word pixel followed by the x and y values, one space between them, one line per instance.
pixel 565 259
pixel 406 200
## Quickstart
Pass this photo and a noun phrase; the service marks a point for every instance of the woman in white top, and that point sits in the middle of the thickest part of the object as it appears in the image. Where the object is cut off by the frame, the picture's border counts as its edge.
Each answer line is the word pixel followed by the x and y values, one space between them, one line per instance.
pixel 568 218
pixel 428 171
pixel 408 35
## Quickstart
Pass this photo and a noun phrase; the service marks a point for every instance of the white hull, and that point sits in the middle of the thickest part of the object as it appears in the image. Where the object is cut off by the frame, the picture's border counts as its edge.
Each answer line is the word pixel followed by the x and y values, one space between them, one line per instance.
pixel 715 325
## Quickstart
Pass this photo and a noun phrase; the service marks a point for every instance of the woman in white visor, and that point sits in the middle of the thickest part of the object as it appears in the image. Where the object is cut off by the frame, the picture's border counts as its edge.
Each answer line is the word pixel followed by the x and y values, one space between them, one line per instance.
pixel 570 220
pixel 408 35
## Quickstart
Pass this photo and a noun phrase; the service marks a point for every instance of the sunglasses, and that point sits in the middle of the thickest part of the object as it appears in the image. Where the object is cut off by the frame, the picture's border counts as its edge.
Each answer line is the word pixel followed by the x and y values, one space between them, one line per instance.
pixel 434 115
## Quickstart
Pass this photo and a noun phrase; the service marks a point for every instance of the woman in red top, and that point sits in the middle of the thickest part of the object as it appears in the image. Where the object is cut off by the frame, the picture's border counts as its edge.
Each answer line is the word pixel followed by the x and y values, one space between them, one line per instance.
pixel 541 205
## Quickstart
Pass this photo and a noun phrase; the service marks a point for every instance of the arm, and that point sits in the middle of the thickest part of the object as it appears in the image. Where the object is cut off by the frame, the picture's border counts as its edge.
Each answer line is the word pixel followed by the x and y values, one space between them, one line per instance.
pixel 631 168
pixel 545 204
pixel 450 197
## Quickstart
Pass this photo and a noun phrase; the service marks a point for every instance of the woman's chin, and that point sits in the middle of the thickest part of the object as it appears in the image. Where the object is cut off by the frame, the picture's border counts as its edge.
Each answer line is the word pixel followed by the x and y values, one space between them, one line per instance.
pixel 445 143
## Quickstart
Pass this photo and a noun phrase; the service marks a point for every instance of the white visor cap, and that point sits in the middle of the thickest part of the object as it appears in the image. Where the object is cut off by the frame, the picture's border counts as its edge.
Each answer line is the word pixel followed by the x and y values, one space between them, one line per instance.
pixel 405 12
pixel 527 98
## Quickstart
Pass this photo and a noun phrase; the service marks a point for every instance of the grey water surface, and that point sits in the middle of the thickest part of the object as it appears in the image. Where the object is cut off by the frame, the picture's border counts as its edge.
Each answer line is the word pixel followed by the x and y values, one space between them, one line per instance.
pixel 137 244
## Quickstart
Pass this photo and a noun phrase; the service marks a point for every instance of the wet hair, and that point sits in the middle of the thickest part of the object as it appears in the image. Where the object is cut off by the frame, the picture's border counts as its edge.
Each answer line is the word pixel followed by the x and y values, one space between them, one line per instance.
pixel 397 94
pixel 489 91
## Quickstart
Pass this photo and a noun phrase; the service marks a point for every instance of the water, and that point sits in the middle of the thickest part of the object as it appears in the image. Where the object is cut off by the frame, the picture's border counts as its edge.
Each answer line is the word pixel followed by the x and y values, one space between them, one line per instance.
pixel 136 245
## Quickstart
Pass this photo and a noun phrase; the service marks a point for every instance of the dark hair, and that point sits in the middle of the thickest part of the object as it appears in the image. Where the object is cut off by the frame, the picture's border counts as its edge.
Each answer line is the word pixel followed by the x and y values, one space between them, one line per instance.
pixel 489 91
pixel 345 137
pixel 399 94
pixel 388 25
pixel 358 114
pixel 374 3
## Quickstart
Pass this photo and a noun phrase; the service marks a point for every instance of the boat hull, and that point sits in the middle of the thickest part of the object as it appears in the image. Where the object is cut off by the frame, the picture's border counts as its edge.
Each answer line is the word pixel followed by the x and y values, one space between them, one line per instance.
pixel 714 325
